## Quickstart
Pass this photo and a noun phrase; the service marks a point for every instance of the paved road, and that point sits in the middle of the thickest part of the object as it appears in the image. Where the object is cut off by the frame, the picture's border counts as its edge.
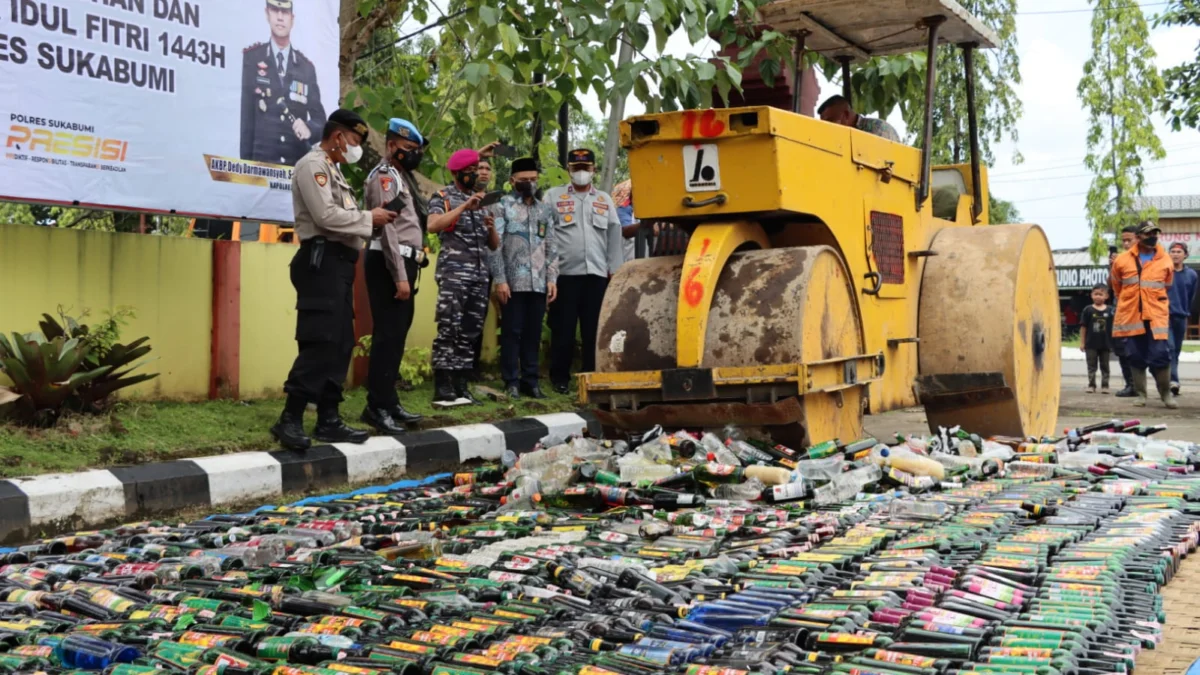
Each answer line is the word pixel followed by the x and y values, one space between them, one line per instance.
pixel 1078 408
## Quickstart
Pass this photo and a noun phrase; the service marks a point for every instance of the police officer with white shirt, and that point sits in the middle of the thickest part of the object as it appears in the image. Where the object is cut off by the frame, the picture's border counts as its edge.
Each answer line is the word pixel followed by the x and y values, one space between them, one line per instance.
pixel 332 230
pixel 589 252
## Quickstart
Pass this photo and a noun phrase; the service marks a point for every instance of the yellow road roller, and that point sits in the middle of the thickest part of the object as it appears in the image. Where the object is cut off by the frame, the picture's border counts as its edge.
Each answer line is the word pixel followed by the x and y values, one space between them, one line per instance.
pixel 822 279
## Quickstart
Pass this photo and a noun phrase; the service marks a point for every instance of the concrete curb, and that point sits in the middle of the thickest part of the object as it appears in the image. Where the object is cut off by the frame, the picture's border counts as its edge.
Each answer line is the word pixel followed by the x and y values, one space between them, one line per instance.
pixel 71 501
pixel 1073 354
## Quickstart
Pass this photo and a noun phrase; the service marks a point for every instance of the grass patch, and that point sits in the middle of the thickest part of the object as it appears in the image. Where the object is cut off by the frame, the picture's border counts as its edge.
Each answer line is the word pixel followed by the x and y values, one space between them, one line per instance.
pixel 137 432
pixel 1074 344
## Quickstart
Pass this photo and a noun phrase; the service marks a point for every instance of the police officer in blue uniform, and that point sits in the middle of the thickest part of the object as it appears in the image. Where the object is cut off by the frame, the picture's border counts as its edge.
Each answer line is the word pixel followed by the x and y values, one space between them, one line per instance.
pixel 282 115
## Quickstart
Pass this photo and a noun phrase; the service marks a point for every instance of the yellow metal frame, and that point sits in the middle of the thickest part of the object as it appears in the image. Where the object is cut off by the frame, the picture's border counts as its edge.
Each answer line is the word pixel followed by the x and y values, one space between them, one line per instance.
pixel 809 378
pixel 708 250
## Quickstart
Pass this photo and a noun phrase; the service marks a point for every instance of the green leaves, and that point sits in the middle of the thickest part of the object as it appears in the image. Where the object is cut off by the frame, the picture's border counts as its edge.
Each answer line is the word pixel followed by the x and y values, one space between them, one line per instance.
pixel 509 38
pixel 1119 79
pixel 1182 100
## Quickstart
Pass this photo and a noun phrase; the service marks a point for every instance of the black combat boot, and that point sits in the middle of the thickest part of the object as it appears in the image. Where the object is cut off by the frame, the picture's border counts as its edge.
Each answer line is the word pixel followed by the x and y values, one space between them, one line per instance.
pixel 462 388
pixel 443 387
pixel 331 429
pixel 289 430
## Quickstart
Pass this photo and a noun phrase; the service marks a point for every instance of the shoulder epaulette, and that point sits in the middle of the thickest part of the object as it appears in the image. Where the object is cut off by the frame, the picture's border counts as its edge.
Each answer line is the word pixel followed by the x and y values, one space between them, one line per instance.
pixel 256 45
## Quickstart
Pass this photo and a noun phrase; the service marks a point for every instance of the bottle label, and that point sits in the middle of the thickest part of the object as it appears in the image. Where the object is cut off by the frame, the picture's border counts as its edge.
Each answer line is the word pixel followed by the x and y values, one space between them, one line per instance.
pixel 206 639
pixel 902 659
pixel 845 639
pixel 697 669
pixel 506 577
pixel 788 491
pixel 33 651
pixel 478 660
pixel 276 648
pixel 614 537
pixel 226 659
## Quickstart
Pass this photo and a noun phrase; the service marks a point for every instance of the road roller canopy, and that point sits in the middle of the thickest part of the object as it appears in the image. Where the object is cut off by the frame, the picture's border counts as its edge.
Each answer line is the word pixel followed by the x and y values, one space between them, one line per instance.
pixel 858 30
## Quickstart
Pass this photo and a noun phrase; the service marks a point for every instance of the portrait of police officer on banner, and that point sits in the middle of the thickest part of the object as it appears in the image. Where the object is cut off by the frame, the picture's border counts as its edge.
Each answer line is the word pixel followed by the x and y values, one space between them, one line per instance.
pixel 282 115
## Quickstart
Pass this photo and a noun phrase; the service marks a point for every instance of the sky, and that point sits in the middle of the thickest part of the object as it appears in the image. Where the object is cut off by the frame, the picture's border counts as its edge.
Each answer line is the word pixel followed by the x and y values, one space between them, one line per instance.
pixel 1049 187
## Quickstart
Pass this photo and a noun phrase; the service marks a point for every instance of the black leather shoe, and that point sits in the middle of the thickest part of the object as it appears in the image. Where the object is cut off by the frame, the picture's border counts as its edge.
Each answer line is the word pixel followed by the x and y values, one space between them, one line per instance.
pixel 402 416
pixel 462 388
pixel 532 391
pixel 289 431
pixel 381 420
pixel 331 429
pixel 1127 392
pixel 513 392
pixel 561 388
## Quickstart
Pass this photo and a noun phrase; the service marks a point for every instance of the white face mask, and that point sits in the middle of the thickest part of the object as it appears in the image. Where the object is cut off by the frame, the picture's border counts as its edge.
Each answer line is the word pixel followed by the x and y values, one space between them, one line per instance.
pixel 582 178
pixel 353 154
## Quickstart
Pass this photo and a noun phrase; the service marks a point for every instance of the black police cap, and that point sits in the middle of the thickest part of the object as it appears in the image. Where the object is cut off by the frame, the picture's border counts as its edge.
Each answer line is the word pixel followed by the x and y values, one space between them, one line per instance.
pixel 350 120
pixel 581 156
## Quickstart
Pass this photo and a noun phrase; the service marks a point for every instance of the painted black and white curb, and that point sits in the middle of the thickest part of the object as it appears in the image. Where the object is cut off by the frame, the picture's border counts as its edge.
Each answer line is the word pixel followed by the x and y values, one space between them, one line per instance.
pixel 54 503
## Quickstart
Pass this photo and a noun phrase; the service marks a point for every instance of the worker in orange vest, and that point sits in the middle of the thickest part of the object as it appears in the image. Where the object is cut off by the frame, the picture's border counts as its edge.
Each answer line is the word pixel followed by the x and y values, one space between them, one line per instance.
pixel 1142 276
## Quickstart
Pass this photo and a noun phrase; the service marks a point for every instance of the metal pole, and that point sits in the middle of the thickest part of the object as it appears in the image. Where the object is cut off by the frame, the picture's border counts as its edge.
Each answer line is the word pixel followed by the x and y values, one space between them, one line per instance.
pixel 564 120
pixel 798 72
pixel 933 23
pixel 968 53
pixel 611 143
pixel 847 90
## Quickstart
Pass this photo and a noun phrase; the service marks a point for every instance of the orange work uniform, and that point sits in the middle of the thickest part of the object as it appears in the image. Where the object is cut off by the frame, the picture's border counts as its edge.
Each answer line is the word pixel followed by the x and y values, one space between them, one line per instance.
pixel 1142 299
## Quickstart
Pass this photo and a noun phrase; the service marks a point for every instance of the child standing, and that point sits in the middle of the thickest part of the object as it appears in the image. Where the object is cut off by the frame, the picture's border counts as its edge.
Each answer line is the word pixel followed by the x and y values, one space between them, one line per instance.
pixel 1095 337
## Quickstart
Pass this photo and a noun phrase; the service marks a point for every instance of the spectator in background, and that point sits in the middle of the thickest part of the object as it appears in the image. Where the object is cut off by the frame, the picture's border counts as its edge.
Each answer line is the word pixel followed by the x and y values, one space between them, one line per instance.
pixel 622 195
pixel 1095 337
pixel 525 268
pixel 837 109
pixel 589 252
pixel 1128 241
pixel 1183 294
pixel 1144 275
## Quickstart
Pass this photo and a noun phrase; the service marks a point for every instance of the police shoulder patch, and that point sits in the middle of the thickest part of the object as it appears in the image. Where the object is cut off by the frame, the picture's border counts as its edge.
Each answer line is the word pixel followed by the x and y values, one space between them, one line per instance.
pixel 321 178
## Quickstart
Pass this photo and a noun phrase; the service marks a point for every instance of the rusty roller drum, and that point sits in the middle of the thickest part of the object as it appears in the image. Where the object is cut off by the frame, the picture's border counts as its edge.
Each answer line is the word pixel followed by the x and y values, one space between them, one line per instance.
pixel 770 307
pixel 990 350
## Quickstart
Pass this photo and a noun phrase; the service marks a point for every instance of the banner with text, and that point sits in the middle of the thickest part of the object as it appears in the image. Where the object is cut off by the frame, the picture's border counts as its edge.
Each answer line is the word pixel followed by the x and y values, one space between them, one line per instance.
pixel 196 107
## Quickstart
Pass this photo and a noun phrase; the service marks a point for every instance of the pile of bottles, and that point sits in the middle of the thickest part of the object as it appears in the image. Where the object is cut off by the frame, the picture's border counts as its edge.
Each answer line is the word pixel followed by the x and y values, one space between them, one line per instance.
pixel 701 554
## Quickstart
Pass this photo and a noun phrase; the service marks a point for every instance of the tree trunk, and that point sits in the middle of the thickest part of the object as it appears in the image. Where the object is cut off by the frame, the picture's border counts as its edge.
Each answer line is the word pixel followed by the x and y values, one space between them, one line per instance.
pixel 357 31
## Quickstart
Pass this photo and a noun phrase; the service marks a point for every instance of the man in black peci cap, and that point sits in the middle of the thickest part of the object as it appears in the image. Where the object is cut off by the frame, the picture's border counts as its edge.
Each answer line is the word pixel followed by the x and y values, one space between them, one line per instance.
pixel 525 271
pixel 332 230
pixel 589 252
pixel 282 114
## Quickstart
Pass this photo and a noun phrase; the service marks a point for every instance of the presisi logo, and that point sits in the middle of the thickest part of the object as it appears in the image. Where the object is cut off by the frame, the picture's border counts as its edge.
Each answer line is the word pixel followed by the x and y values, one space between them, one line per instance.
pixel 38 139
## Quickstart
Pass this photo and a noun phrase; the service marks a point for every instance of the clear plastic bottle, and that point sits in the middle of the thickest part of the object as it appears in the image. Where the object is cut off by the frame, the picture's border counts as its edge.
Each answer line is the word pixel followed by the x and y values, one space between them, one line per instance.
pixel 740 492
pixel 717 452
pixel 915 510
pixel 908 461
pixel 845 486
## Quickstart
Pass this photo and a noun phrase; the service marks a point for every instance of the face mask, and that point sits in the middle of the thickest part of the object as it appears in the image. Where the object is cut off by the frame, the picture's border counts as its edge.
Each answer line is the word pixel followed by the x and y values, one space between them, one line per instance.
pixel 412 159
pixel 524 187
pixel 353 154
pixel 581 178
pixel 468 180
pixel 1151 241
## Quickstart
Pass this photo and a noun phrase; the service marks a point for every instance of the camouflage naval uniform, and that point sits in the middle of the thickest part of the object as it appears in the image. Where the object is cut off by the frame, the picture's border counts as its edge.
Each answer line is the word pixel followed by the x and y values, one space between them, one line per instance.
pixel 462 278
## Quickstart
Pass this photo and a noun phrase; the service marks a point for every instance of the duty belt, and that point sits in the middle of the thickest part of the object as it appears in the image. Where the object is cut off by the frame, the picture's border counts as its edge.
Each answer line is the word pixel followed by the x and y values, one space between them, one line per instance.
pixel 416 255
